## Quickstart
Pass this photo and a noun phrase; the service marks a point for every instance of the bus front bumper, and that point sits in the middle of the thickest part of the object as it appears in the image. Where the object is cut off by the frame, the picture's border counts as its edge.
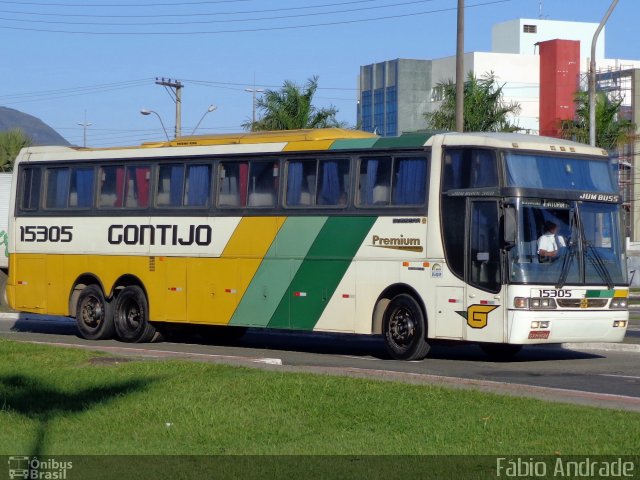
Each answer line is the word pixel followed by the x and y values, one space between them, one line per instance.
pixel 560 326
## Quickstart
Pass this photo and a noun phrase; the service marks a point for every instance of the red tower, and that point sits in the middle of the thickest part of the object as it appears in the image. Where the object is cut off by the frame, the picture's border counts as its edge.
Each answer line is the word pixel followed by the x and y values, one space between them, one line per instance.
pixel 559 70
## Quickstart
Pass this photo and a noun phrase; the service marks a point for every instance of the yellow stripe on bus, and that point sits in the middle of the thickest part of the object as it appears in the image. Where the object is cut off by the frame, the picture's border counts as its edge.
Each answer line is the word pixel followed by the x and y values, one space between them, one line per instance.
pixel 216 285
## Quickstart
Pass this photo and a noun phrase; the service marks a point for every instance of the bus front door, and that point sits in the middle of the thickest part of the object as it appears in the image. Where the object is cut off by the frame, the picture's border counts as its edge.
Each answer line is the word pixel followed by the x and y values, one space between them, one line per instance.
pixel 484 311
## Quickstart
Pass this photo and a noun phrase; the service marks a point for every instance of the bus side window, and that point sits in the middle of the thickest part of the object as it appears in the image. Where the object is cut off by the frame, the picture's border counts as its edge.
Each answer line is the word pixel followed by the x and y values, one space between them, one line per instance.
pixel 468 168
pixel 198 186
pixel 111 186
pixel 301 183
pixel 57 194
pixel 30 198
pixel 263 178
pixel 409 181
pixel 333 182
pixel 170 185
pixel 137 187
pixel 375 181
pixel 232 184
pixel 81 190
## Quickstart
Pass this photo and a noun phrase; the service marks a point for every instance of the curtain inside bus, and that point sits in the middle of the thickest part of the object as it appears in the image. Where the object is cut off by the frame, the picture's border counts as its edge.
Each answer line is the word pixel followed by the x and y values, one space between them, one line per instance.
pixel 84 187
pixel 199 182
pixel 294 183
pixel 411 181
pixel 330 187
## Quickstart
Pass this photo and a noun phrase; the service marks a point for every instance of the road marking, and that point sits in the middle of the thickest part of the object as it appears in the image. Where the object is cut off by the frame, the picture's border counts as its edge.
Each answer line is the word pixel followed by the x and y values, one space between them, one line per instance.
pixel 619 376
pixel 164 353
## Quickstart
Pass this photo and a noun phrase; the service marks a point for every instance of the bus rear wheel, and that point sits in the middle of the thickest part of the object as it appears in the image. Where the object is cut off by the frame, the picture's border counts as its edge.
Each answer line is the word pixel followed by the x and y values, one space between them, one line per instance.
pixel 94 315
pixel 132 316
pixel 404 329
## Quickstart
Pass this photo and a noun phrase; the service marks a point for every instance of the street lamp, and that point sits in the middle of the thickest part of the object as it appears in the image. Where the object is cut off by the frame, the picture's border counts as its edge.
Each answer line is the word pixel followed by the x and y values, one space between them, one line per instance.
pixel 146 111
pixel 253 91
pixel 84 125
pixel 209 110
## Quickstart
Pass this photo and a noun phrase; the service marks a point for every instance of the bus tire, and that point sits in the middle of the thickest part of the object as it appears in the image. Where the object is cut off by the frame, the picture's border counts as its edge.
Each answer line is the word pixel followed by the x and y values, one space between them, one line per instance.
pixel 404 329
pixel 131 315
pixel 500 351
pixel 94 314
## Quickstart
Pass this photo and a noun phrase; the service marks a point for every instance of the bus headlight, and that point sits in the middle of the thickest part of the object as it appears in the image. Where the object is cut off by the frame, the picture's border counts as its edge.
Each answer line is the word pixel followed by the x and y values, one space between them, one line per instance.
pixel 542 303
pixel 535 303
pixel 618 303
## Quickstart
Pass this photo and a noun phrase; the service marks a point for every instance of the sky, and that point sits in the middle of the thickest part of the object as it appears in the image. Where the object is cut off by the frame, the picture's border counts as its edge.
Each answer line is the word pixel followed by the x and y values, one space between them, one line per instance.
pixel 71 62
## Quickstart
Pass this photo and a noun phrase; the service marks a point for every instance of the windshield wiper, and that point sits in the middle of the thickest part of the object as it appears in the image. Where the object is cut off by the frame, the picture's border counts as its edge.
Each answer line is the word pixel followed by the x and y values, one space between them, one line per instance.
pixel 566 265
pixel 571 251
pixel 598 264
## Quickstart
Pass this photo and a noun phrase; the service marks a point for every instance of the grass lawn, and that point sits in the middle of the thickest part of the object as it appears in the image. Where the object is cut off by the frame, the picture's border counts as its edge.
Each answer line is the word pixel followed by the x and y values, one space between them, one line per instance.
pixel 57 401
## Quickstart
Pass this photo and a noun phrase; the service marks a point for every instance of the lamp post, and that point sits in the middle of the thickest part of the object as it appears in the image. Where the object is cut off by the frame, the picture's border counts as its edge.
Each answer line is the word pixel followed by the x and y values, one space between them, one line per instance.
pixel 209 110
pixel 592 76
pixel 253 92
pixel 146 111
pixel 84 125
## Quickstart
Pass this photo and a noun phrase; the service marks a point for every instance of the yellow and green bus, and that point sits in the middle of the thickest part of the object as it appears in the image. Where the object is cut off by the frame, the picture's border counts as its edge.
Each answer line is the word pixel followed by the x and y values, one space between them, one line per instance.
pixel 417 238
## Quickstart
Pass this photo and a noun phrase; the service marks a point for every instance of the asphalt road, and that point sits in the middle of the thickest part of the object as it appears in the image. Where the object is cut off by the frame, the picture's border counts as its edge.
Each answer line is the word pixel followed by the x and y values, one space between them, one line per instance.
pixel 580 374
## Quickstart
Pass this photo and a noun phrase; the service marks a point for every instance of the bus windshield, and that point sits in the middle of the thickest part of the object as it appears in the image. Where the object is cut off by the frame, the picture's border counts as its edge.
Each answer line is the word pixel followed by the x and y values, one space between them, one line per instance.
pixel 560 243
pixel 557 172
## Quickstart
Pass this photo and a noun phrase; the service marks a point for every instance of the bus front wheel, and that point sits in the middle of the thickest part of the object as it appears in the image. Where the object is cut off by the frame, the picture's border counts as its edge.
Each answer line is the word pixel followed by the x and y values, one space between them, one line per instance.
pixel 132 316
pixel 94 315
pixel 404 329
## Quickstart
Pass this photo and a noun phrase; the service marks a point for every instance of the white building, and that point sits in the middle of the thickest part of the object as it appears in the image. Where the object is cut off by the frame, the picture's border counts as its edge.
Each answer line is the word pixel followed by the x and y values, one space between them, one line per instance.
pixel 388 101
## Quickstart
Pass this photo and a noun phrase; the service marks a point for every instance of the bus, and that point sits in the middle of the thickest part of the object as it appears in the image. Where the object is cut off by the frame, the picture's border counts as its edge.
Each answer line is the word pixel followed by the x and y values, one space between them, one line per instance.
pixel 418 238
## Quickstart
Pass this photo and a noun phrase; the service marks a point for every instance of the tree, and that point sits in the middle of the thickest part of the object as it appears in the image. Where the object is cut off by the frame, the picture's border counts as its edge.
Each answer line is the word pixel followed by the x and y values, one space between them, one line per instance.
pixel 612 131
pixel 11 142
pixel 291 108
pixel 484 108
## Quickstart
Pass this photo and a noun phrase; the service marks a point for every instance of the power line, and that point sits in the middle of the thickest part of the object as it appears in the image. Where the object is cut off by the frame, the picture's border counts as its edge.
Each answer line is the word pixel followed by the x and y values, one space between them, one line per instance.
pixel 208 22
pixel 91 5
pixel 254 30
pixel 176 14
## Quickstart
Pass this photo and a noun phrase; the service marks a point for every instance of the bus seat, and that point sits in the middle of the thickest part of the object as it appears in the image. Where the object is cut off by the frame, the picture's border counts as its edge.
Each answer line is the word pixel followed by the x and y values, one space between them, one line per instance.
pixel 108 199
pixel 163 199
pixel 73 199
pixel 260 200
pixel 229 199
pixel 381 194
pixel 305 198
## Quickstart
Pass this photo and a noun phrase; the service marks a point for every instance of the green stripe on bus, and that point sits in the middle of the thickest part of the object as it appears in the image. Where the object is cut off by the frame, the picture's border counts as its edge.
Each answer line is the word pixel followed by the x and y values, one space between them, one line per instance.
pixel 280 264
pixel 413 139
pixel 319 275
pixel 599 293
pixel 353 144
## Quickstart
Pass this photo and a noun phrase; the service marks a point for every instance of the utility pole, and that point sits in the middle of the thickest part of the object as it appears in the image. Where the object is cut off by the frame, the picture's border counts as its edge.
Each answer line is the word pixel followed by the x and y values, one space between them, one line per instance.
pixel 176 95
pixel 592 77
pixel 460 69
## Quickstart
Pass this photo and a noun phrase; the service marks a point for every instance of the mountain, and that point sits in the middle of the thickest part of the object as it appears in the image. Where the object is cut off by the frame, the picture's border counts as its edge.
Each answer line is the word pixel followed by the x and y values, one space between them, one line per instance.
pixel 36 129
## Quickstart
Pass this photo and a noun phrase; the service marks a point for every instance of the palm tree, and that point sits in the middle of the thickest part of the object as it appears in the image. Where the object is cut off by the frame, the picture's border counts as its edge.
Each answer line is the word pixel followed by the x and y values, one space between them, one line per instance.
pixel 484 108
pixel 11 142
pixel 290 108
pixel 612 131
